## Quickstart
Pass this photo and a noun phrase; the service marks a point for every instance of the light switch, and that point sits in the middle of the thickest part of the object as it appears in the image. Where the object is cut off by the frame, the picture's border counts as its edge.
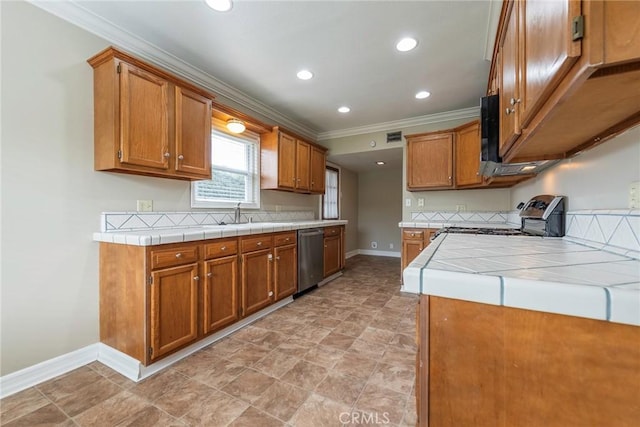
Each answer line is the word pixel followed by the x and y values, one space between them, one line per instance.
pixel 145 205
pixel 421 202
pixel 407 203
pixel 634 195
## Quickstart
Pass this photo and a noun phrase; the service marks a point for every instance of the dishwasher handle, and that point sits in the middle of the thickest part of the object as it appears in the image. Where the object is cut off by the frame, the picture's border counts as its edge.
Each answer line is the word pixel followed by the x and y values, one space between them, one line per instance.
pixel 302 233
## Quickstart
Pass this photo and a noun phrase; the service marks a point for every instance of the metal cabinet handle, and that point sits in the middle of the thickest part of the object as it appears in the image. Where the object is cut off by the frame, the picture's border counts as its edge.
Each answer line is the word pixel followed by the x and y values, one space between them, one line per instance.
pixel 209 274
pixel 167 154
pixel 180 157
pixel 196 278
pixel 178 255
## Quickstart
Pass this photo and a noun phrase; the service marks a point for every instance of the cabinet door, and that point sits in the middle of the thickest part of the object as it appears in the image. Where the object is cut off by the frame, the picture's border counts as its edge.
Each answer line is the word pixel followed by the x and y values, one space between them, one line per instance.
pixel 220 293
pixel 303 166
pixel 318 166
pixel 144 123
pixel 193 133
pixel 332 254
pixel 285 271
pixel 410 250
pixel 430 162
pixel 256 280
pixel 468 156
pixel 286 161
pixel 548 51
pixel 173 308
pixel 509 80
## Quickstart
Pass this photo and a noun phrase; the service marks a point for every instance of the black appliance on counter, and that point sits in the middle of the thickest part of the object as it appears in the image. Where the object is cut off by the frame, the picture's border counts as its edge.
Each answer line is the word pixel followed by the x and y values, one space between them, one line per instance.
pixel 542 215
pixel 490 160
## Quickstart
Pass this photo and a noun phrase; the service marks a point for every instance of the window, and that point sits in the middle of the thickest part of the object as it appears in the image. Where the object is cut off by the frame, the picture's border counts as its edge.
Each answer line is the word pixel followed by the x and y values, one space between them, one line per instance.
pixel 330 206
pixel 235 172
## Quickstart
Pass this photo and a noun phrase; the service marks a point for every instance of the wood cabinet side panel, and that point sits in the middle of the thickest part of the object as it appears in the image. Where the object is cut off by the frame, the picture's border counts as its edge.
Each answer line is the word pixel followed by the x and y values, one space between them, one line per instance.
pixel 591 366
pixel 269 160
pixel 466 381
pixel 122 298
pixel 422 361
pixel 106 116
pixel 621 31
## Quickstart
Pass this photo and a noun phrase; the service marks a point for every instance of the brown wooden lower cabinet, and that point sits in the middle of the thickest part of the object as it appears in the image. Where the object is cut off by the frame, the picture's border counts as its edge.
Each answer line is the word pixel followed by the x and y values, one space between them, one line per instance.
pixel 285 271
pixel 414 240
pixel 220 293
pixel 485 365
pixel 257 280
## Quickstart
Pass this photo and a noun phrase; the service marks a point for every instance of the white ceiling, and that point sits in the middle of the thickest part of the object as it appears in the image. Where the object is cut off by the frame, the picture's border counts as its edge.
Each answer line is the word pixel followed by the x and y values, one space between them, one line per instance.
pixel 258 46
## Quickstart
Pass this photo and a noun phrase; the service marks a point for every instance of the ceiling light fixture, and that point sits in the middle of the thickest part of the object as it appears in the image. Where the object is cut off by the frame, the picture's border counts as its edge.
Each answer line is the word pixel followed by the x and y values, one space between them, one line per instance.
pixel 380 163
pixel 220 5
pixel 344 109
pixel 235 126
pixel 304 74
pixel 406 44
pixel 422 94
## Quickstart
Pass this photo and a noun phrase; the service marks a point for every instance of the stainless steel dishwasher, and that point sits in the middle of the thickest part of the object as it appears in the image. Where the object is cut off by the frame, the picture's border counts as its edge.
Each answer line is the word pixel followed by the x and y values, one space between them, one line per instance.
pixel 310 257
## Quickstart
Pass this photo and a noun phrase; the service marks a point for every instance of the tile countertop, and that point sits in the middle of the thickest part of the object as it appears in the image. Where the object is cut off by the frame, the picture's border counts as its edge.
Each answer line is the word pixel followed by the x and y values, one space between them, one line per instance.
pixel 175 235
pixel 544 274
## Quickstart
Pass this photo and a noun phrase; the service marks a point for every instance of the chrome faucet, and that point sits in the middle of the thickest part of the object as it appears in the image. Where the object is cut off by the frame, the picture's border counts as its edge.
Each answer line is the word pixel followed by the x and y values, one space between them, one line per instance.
pixel 236 217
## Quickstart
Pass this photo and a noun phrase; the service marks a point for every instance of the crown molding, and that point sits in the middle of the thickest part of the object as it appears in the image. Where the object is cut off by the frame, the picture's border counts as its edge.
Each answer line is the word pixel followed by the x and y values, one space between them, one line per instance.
pixel 495 6
pixel 74 13
pixel 465 113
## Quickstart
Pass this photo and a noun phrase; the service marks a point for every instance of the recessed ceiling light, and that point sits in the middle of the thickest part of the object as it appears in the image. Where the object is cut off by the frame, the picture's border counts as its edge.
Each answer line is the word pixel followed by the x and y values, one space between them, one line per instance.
pixel 219 5
pixel 304 74
pixel 344 109
pixel 422 94
pixel 406 44
pixel 380 163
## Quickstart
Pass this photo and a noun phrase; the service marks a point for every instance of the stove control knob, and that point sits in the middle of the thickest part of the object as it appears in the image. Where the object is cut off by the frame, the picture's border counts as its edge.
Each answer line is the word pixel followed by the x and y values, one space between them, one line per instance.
pixel 540 205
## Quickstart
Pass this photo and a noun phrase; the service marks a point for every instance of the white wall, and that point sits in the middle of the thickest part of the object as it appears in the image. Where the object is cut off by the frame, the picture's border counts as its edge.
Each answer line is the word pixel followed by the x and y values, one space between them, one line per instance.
pixel 51 196
pixel 596 179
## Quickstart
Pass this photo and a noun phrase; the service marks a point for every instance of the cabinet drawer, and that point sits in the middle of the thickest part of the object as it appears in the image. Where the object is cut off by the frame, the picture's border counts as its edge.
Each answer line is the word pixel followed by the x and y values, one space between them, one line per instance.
pixel 284 239
pixel 412 234
pixel 161 258
pixel 254 243
pixel 331 231
pixel 220 248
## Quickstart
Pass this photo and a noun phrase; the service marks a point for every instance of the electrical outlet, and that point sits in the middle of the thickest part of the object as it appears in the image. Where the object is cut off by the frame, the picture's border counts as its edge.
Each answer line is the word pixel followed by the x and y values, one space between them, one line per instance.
pixel 374 245
pixel 634 195
pixel 421 202
pixel 407 203
pixel 145 205
pixel 461 208
pixel 390 245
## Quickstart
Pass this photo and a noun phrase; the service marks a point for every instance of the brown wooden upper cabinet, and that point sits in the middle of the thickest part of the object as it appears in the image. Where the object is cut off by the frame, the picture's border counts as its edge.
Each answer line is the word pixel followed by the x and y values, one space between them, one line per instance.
pixel 449 159
pixel 147 121
pixel 291 164
pixel 568 75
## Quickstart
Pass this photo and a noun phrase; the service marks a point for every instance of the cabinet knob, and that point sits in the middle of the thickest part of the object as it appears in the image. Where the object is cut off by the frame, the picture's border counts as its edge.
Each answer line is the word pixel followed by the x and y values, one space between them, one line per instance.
pixel 509 111
pixel 514 101
pixel 259 244
pixel 178 255
pixel 209 274
pixel 449 178
pixel 277 258
pixel 413 234
pixel 196 278
pixel 167 154
pixel 270 293
pixel 224 248
pixel 287 239
pixel 180 157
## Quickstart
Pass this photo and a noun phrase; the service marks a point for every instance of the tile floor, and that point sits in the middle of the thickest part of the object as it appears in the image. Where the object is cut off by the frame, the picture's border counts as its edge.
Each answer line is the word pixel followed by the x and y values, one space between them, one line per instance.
pixel 341 355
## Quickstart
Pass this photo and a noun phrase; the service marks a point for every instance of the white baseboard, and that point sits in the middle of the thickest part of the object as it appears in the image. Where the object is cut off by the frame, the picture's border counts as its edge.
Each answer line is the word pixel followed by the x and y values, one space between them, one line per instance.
pixel 43 371
pixel 378 253
pixel 371 252
pixel 116 360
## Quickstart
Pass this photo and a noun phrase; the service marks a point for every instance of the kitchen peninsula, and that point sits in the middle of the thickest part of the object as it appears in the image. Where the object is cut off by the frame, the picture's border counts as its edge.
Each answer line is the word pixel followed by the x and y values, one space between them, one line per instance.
pixel 523 327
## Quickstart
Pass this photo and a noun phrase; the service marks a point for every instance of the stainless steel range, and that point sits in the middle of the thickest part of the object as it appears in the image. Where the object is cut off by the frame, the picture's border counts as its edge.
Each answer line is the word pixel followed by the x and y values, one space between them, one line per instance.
pixel 543 215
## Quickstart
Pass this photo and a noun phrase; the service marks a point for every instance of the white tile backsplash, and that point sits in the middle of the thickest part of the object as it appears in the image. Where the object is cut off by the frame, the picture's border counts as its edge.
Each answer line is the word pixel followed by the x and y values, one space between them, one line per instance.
pixel 615 231
pixel 466 216
pixel 138 221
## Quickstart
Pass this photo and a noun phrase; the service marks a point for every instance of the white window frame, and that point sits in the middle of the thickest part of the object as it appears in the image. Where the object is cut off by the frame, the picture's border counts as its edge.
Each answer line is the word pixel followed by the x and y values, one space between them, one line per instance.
pixel 247 137
pixel 337 169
